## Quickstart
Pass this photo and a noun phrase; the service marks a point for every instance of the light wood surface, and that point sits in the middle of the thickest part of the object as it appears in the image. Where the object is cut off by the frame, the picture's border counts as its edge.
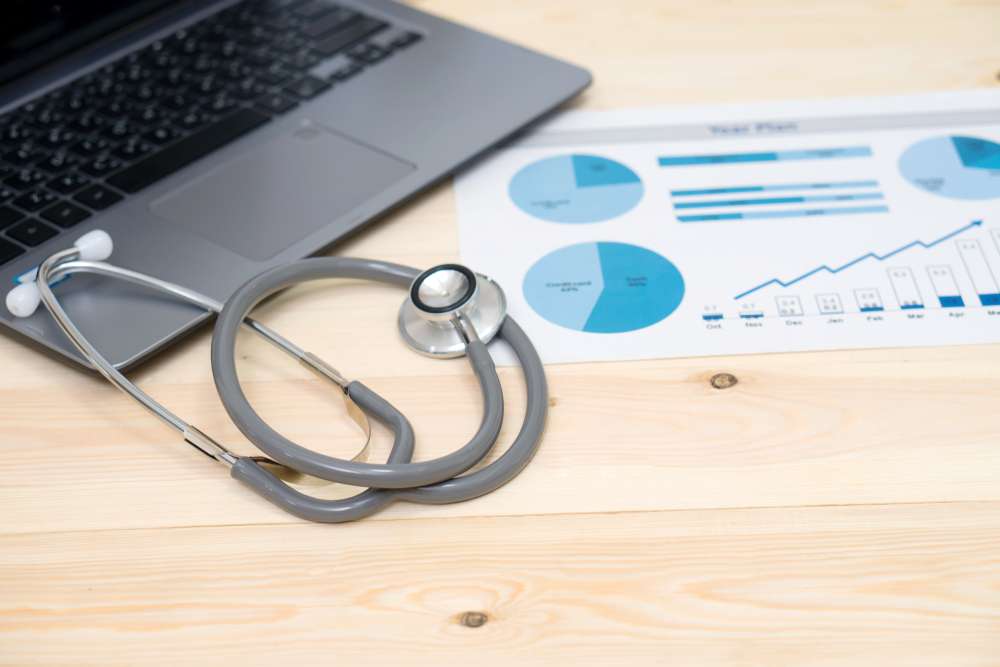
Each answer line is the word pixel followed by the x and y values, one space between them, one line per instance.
pixel 840 508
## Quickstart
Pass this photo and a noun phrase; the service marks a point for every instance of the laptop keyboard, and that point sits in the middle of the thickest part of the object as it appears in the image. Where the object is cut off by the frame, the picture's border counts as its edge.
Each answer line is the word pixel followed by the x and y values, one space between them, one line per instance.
pixel 119 129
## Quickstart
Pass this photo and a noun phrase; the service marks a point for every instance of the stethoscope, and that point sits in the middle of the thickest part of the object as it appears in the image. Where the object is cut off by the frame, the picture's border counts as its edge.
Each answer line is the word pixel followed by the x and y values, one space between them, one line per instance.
pixel 450 312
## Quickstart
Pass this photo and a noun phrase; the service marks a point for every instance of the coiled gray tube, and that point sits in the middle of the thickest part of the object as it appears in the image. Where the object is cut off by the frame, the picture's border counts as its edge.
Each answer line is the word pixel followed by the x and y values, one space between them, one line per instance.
pixel 432 481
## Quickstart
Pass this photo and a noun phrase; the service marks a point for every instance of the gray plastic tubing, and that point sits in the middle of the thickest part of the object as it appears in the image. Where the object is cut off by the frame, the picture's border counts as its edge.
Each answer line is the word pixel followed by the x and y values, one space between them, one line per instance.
pixel 435 481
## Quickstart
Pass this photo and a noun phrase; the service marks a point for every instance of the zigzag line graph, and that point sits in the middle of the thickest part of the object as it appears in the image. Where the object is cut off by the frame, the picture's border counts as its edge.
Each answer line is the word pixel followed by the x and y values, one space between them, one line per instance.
pixel 870 255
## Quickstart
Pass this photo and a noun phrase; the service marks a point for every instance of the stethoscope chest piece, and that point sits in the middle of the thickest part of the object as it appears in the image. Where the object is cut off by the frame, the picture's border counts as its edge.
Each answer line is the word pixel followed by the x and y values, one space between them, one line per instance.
pixel 448 305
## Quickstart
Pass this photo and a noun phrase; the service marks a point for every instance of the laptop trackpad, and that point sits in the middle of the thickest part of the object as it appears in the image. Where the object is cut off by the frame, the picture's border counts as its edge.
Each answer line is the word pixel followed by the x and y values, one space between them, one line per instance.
pixel 280 192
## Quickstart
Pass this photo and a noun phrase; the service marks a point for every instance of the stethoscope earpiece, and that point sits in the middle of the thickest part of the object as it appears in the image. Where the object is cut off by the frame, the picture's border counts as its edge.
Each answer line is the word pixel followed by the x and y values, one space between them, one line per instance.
pixel 94 246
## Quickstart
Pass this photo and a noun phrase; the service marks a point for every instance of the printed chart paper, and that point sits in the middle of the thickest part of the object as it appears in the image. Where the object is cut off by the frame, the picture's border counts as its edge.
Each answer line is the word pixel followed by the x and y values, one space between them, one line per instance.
pixel 743 229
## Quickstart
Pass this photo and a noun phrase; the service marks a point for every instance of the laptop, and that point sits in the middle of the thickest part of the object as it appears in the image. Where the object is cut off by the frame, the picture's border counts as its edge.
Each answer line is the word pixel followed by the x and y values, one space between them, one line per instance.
pixel 214 140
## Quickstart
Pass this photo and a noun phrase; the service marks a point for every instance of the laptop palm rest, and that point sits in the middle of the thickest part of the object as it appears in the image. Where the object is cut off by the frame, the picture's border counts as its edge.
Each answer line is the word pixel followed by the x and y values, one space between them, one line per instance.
pixel 281 191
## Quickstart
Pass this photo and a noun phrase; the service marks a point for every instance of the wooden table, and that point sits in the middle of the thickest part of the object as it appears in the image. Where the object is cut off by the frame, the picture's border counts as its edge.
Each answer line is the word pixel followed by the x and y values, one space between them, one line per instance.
pixel 839 508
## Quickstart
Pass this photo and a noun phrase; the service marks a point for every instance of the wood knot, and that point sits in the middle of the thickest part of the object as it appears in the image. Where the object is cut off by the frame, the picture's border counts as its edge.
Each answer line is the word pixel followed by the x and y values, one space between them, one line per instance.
pixel 723 380
pixel 553 401
pixel 473 619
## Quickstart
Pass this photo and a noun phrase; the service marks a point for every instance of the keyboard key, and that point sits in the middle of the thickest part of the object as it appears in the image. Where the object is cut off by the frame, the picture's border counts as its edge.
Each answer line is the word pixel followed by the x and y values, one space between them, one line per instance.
pixel 9 216
pixel 88 121
pixel 368 53
pixel 68 183
pixel 302 59
pixel 150 115
pixel 313 9
pixel 24 155
pixel 17 132
pixel 46 118
pixel 178 102
pixel 97 197
pixel 220 104
pixel 118 107
pixel 394 38
pixel 276 103
pixel 277 6
pixel 91 147
pixel 102 166
pixel 34 200
pixel 192 120
pixel 406 40
pixel 120 129
pixel 274 75
pixel 288 44
pixel 31 232
pixel 247 89
pixel 342 39
pixel 187 150
pixel 8 251
pixel 57 138
pixel 346 72
pixel 57 163
pixel 161 135
pixel 326 68
pixel 233 70
pixel 307 86
pixel 65 214
pixel 335 20
pixel 23 179
pixel 132 149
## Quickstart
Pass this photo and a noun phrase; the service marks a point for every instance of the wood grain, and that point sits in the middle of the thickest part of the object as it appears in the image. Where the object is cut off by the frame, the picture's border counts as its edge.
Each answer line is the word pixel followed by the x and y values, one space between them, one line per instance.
pixel 829 509
pixel 899 584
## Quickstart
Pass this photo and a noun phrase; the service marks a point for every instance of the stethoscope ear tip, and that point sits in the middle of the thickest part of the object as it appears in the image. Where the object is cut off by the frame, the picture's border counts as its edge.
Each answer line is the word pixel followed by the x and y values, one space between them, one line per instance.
pixel 95 246
pixel 23 300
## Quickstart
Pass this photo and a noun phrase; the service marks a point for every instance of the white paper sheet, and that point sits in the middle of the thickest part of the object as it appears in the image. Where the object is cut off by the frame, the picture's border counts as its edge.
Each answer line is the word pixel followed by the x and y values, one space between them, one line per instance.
pixel 740 229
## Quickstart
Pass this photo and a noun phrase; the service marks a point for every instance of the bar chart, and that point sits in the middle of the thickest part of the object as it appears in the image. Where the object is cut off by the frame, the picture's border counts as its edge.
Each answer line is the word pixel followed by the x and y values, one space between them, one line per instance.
pixel 967 280
pixel 773 200
pixel 945 286
pixel 766 156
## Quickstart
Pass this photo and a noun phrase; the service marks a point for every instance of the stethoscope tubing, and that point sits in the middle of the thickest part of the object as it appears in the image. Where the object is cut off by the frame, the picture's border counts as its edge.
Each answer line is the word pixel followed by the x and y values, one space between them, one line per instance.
pixel 432 482
pixel 284 451
pixel 457 489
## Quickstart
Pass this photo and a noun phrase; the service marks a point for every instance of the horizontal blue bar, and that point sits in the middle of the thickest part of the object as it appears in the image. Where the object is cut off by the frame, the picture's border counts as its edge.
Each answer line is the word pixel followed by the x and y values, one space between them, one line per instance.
pixel 797 213
pixel 777 200
pixel 912 306
pixel 989 299
pixel 751 316
pixel 951 301
pixel 872 309
pixel 774 188
pixel 709 317
pixel 769 156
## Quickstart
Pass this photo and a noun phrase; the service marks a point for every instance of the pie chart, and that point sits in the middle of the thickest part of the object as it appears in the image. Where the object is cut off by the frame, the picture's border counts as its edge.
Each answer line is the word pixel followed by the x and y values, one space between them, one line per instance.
pixel 575 189
pixel 957 167
pixel 604 287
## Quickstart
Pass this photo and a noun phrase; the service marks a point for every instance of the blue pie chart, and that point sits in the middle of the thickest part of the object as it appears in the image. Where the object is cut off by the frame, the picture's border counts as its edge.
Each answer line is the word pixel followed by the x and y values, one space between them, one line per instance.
pixel 957 167
pixel 604 287
pixel 575 189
